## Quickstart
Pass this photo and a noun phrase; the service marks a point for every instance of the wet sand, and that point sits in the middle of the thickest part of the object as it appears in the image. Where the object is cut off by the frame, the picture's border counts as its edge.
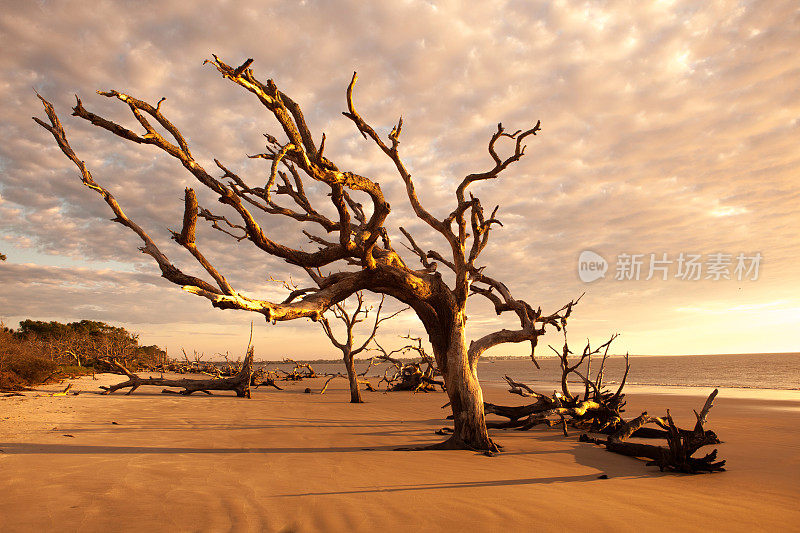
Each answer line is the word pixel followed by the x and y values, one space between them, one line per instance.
pixel 289 461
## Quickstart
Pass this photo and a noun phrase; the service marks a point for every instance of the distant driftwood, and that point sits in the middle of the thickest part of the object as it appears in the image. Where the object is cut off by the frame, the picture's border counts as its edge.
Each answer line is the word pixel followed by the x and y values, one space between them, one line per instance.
pixel 239 382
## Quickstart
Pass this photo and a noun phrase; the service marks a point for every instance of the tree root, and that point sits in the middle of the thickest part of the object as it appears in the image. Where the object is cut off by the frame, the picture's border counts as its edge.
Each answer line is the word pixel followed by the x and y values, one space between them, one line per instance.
pixel 455 442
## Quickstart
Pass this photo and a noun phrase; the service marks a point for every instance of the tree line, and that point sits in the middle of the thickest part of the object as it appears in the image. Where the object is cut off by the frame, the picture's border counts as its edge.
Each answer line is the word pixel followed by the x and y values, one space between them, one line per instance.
pixel 37 350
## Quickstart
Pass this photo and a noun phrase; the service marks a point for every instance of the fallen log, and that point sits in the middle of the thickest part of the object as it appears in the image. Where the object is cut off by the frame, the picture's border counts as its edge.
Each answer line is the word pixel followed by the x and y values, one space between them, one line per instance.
pixel 514 413
pixel 239 383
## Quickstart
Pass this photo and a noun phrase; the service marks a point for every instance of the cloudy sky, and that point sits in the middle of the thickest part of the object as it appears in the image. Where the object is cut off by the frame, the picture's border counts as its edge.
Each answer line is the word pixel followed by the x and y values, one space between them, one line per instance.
pixel 668 127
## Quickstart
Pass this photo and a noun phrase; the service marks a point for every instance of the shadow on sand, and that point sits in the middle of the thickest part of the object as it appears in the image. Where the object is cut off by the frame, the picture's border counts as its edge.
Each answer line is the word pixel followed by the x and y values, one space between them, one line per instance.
pixel 72 449
pixel 450 486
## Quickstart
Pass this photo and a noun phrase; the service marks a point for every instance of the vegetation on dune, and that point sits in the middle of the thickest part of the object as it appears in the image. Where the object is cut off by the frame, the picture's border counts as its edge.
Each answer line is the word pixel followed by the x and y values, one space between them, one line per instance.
pixel 38 351
pixel 22 363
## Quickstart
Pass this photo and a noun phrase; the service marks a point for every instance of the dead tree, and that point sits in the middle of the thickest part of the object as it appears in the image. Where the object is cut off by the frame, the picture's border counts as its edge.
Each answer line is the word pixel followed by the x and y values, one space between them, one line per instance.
pixel 264 377
pixel 240 383
pixel 358 235
pixel 349 320
pixel 598 407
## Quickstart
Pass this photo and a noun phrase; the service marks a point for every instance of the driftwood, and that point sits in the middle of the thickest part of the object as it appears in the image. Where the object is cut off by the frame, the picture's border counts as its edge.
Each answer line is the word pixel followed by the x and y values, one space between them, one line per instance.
pixel 263 377
pixel 408 375
pixel 367 385
pixel 681 443
pixel 599 411
pixel 196 365
pixel 300 371
pixel 240 383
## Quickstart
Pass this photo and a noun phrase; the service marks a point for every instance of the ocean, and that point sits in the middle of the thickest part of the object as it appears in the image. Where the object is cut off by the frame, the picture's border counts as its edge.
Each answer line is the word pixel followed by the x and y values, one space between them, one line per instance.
pixel 690 374
pixel 746 371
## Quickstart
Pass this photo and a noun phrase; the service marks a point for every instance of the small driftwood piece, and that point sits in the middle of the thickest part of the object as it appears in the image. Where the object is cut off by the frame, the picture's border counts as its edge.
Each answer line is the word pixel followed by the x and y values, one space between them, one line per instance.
pixel 240 383
pixel 63 392
pixel 367 385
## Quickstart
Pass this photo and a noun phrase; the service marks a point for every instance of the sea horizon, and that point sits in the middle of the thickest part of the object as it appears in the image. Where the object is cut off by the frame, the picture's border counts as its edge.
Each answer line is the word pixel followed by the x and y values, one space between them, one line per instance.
pixel 759 371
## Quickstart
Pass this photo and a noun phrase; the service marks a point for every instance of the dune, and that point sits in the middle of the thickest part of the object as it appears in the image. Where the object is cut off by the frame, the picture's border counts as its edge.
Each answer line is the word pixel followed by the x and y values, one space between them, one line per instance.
pixel 289 461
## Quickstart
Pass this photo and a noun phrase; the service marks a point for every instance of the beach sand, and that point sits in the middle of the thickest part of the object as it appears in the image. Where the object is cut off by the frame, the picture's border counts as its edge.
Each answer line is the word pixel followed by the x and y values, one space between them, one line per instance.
pixel 289 461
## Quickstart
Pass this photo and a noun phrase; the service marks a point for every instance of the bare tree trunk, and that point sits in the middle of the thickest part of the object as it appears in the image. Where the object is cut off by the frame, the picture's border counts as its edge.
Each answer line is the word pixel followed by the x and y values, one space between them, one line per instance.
pixel 466 396
pixel 355 394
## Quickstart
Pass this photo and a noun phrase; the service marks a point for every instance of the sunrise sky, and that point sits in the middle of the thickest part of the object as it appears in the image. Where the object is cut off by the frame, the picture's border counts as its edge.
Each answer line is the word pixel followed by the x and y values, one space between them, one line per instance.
pixel 667 128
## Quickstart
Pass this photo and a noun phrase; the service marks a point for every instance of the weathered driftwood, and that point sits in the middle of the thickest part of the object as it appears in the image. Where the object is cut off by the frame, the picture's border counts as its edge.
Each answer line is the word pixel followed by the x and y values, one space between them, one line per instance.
pixel 599 411
pixel 266 378
pixel 240 383
pixel 404 375
pixel 411 377
pixel 300 371
pixel 367 385
pixel 681 444
pixel 196 365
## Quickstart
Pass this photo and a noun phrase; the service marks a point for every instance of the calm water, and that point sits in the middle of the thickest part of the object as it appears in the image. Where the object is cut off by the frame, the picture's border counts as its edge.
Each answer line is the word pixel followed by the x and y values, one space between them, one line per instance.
pixel 750 371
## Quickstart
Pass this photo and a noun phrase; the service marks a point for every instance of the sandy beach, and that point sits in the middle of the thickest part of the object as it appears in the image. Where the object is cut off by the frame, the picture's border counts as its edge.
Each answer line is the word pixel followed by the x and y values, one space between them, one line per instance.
pixel 289 461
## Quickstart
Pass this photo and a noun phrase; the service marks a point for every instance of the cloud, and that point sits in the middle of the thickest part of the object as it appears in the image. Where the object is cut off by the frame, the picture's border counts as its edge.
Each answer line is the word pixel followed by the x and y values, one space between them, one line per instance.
pixel 668 127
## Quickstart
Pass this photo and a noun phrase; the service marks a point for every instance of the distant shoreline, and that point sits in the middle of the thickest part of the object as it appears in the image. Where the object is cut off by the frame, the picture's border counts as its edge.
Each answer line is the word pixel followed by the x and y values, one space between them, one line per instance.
pixel 487 358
